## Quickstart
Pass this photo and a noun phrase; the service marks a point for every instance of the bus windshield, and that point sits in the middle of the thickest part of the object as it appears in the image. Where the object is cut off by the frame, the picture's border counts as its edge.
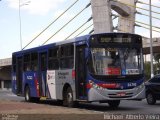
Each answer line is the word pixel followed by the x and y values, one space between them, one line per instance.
pixel 116 61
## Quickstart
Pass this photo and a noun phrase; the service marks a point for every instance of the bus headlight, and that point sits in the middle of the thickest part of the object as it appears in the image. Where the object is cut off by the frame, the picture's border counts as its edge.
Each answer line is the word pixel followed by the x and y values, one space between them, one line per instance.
pixel 141 86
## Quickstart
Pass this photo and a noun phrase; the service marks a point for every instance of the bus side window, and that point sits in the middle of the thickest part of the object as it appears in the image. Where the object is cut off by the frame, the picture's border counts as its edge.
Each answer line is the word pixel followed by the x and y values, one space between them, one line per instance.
pixel 34 61
pixel 27 65
pixel 14 63
pixel 43 61
pixel 53 61
pixel 67 56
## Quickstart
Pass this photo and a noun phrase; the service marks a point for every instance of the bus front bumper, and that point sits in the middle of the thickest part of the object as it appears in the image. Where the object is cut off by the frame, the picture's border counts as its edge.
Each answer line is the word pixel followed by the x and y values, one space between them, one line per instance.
pixel 137 93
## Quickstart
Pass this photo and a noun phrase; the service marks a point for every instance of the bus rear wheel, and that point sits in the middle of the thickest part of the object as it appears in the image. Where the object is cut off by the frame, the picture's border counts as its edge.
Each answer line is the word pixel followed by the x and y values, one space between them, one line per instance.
pixel 114 103
pixel 68 98
pixel 28 97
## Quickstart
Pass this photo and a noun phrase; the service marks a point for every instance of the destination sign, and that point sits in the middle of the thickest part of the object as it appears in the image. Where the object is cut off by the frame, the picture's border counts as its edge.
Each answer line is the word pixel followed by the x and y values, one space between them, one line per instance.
pixel 103 39
pixel 114 40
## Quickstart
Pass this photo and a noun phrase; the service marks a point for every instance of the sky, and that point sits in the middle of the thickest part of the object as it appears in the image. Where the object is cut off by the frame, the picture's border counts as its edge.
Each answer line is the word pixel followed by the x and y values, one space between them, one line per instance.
pixel 35 15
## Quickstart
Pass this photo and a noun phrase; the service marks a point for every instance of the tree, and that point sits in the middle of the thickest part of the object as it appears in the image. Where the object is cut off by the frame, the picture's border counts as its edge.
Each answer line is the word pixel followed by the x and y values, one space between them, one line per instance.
pixel 147 70
pixel 157 65
pixel 157 57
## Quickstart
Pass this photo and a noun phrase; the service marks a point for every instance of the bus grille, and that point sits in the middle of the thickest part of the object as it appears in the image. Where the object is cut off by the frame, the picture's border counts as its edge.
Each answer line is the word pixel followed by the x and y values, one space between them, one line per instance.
pixel 127 95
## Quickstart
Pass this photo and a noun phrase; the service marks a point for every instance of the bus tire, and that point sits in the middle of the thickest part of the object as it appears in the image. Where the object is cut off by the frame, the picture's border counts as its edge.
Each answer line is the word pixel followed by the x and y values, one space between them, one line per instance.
pixel 114 103
pixel 27 94
pixel 68 98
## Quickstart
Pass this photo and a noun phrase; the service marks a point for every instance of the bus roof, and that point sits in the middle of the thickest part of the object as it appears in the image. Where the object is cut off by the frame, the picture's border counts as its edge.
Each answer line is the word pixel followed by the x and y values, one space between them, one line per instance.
pixel 74 40
pixel 41 48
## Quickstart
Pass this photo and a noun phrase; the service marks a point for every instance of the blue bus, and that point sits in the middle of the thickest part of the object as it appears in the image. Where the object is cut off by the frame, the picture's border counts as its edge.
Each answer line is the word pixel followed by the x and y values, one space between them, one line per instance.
pixel 105 68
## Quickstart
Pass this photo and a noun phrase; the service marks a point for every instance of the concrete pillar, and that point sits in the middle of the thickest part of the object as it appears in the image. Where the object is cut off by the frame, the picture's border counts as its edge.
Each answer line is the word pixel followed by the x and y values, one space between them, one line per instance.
pixel 2 84
pixel 101 12
pixel 127 23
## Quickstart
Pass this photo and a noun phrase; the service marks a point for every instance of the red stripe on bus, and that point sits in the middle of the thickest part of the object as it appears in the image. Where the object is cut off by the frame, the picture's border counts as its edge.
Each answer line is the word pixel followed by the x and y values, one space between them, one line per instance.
pixel 111 85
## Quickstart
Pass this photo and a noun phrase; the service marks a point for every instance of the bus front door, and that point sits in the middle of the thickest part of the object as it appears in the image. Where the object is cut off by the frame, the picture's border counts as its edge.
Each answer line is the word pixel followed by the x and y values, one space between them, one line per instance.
pixel 81 92
pixel 42 73
pixel 19 70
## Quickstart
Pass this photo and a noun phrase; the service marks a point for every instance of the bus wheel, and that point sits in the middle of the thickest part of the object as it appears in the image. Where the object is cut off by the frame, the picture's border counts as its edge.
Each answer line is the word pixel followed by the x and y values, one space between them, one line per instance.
pixel 68 98
pixel 27 94
pixel 114 103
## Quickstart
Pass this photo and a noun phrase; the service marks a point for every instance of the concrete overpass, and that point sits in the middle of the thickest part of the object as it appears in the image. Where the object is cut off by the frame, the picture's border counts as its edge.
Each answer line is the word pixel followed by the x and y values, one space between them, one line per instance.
pixel 5 73
pixel 146 45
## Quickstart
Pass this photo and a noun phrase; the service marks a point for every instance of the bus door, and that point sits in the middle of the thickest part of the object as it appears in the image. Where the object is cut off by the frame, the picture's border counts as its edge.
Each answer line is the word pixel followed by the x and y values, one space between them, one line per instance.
pixel 19 74
pixel 81 92
pixel 42 73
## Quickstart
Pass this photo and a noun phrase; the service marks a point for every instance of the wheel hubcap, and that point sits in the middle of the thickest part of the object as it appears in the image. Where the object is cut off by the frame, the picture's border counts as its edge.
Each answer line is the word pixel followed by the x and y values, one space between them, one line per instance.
pixel 69 97
pixel 27 95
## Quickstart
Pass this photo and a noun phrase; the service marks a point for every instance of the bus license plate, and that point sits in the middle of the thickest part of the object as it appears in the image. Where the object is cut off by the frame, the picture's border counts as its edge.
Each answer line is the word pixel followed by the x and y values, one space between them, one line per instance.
pixel 121 94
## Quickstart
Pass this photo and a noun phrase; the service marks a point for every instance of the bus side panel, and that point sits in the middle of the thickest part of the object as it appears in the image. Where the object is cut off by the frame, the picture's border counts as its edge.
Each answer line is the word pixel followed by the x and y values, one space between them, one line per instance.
pixel 31 79
pixel 14 85
pixel 64 77
pixel 56 79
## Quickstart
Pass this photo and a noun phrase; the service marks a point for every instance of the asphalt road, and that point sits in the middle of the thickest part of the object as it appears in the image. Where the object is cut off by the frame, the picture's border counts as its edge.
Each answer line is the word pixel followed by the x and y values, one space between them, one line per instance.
pixel 126 107
pixel 8 95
